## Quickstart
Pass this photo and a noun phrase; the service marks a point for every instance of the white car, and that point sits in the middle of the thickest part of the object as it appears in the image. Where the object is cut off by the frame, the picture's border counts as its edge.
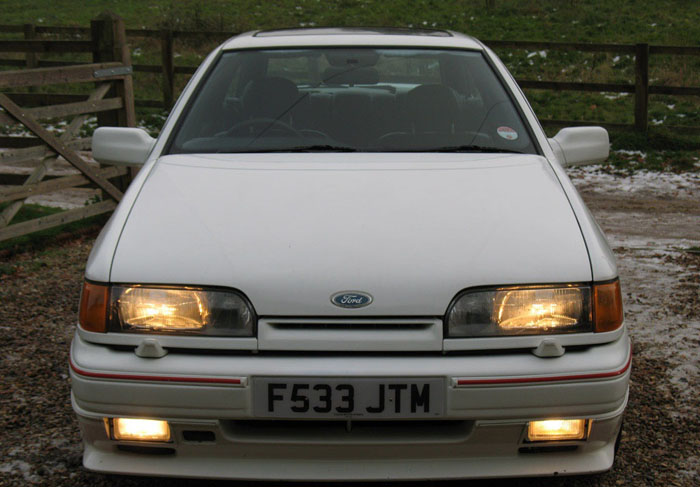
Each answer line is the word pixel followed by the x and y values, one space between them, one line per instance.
pixel 351 254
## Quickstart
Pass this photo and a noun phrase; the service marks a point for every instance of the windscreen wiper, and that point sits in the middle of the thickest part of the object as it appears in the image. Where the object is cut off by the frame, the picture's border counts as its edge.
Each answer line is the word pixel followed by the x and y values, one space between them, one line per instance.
pixel 467 148
pixel 308 148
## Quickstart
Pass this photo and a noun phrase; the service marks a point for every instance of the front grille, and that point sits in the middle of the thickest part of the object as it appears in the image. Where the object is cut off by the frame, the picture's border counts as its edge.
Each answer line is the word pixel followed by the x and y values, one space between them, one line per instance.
pixel 366 334
pixel 351 326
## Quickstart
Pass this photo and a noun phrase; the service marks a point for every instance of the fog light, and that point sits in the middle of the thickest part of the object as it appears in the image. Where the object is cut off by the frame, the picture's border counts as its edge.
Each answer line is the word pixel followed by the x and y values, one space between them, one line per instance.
pixel 140 429
pixel 556 429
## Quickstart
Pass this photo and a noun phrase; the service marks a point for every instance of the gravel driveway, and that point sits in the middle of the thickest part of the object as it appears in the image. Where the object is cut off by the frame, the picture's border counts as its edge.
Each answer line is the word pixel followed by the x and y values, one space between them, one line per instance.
pixel 651 221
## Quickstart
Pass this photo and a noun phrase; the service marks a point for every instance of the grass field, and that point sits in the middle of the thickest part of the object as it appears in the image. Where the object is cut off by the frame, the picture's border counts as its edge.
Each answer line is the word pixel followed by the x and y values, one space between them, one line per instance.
pixel 652 21
pixel 666 22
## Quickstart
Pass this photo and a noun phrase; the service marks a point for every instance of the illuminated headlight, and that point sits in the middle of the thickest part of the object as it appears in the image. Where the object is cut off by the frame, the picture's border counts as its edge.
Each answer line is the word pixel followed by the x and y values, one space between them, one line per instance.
pixel 179 311
pixel 521 311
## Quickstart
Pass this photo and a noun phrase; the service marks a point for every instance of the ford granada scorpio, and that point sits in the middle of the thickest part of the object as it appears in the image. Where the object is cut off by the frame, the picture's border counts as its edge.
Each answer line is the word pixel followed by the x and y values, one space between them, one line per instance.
pixel 351 254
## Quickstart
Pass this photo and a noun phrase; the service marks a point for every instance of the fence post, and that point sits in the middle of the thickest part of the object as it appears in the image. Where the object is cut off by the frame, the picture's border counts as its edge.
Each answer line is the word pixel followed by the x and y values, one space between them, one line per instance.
pixel 641 88
pixel 30 34
pixel 101 30
pixel 166 50
pixel 109 40
pixel 31 57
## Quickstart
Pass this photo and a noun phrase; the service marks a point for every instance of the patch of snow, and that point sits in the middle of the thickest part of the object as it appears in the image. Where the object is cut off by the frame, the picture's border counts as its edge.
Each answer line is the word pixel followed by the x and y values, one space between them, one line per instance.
pixel 17 131
pixel 693 469
pixel 652 275
pixel 66 199
pixel 631 153
pixel 660 184
pixel 18 466
pixel 613 96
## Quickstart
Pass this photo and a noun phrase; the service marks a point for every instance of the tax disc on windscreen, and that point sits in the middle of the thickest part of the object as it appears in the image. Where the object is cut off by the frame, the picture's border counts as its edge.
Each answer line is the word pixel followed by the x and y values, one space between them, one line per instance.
pixel 507 133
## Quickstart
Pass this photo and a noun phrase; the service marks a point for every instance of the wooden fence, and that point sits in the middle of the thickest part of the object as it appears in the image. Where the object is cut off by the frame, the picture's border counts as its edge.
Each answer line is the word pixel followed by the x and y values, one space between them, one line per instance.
pixel 641 87
pixel 32 44
pixel 111 100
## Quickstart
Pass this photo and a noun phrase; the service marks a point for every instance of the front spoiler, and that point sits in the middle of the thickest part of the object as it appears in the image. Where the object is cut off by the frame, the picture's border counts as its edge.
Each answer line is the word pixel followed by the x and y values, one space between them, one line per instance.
pixel 487 449
pixel 489 398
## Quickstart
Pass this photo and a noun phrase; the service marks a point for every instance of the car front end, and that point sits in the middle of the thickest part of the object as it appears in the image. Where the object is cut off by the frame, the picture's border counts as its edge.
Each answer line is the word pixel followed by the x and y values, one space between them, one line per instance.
pixel 340 311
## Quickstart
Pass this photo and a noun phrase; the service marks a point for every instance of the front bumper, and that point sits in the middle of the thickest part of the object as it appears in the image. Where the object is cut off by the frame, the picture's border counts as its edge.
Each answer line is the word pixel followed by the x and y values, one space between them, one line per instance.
pixel 489 400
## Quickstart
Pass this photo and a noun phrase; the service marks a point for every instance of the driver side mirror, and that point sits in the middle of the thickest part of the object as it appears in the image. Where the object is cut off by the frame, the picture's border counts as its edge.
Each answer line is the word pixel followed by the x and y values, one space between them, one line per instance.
pixel 121 146
pixel 575 146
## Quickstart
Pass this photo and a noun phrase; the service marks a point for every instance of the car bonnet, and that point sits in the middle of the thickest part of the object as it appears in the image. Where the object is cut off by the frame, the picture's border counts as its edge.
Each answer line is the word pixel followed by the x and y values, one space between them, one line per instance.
pixel 291 230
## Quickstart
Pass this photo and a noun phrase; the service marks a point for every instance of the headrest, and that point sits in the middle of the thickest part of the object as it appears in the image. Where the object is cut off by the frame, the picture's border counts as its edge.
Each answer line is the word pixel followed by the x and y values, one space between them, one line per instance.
pixel 350 76
pixel 432 108
pixel 346 58
pixel 269 97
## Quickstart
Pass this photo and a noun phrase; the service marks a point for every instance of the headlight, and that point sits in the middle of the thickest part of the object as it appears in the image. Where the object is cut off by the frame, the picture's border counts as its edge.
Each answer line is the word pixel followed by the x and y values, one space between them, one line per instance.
pixel 179 311
pixel 521 311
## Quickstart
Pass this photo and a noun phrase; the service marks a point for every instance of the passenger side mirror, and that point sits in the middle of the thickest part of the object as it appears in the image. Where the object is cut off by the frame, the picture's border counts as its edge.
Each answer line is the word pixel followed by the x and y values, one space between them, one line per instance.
pixel 575 146
pixel 121 146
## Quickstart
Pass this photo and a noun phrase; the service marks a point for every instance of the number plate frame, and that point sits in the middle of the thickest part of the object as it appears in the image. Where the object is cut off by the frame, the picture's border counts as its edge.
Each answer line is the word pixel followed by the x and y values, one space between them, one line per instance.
pixel 307 397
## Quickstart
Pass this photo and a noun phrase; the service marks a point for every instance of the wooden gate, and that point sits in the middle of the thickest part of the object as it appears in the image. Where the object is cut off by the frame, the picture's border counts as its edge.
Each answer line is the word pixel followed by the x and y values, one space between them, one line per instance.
pixel 111 100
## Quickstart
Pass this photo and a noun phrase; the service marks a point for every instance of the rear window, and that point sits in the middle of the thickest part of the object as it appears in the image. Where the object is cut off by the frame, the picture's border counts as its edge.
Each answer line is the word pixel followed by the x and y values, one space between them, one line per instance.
pixel 351 99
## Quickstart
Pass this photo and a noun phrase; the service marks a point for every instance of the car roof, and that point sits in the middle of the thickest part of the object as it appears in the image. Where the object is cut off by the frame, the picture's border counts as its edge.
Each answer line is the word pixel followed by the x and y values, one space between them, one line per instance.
pixel 351 31
pixel 352 36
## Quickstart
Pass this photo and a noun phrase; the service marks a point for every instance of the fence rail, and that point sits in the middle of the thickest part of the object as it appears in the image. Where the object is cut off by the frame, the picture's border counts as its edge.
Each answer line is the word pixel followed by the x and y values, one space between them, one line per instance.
pixel 169 70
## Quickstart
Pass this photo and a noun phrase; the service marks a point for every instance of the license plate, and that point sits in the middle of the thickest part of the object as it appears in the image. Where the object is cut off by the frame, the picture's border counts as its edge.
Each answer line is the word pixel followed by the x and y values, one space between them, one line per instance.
pixel 348 398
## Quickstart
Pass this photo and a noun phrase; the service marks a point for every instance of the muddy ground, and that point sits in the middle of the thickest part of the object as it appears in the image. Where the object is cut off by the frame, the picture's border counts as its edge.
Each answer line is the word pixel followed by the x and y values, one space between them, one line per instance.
pixel 649 227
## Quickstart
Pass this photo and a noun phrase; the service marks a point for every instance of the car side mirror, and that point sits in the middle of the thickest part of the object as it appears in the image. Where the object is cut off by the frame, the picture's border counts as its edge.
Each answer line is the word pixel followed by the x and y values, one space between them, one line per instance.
pixel 121 146
pixel 576 146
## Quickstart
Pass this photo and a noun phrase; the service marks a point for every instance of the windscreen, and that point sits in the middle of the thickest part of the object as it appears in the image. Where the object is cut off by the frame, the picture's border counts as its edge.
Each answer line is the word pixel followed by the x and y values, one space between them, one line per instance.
pixel 351 99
